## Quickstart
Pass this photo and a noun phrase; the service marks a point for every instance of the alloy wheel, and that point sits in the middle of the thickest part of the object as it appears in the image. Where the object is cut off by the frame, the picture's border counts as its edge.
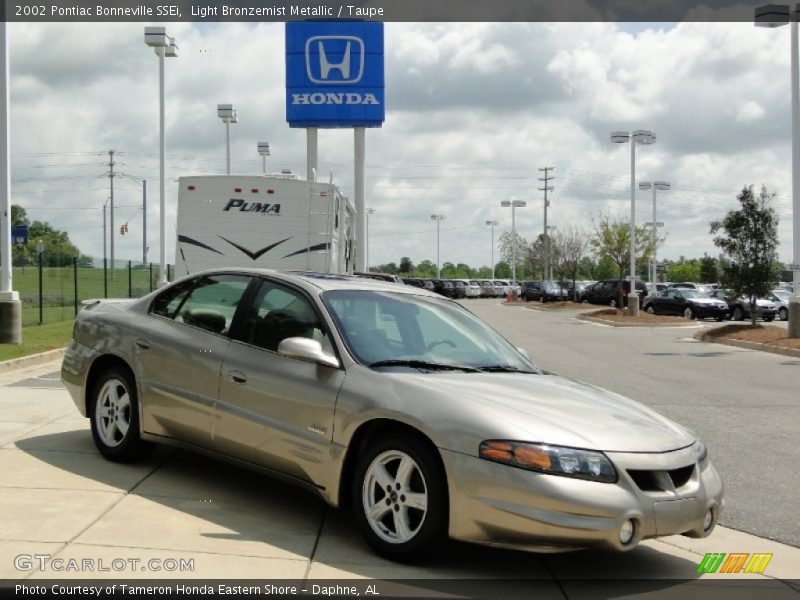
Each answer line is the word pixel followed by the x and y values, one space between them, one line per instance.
pixel 113 413
pixel 395 497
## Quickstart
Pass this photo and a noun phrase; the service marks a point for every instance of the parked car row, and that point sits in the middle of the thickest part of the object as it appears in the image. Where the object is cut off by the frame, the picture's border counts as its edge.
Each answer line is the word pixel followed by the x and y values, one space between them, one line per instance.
pixel 465 288
pixel 719 304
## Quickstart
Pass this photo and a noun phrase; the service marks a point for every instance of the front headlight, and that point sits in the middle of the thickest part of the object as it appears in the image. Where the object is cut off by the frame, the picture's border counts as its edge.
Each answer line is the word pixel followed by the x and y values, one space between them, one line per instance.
pixel 553 460
pixel 700 452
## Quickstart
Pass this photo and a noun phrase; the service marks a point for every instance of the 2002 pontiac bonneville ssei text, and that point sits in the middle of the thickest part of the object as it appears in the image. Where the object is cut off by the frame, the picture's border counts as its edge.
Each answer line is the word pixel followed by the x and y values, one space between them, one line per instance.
pixel 390 400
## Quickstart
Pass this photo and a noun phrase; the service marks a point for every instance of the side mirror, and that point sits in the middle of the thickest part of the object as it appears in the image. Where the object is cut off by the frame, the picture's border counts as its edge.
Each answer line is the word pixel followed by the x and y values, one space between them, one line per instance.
pixel 308 350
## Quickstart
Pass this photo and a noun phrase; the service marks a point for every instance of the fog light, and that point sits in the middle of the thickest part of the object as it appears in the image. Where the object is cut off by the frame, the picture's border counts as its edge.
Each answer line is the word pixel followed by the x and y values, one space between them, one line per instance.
pixel 709 520
pixel 626 532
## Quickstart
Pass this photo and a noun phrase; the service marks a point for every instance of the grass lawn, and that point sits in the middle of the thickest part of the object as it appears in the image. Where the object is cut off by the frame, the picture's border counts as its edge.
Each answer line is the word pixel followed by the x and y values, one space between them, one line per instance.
pixel 38 338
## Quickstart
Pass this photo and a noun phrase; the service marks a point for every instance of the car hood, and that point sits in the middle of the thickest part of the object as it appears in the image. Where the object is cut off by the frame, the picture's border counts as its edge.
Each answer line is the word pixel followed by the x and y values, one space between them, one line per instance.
pixel 555 410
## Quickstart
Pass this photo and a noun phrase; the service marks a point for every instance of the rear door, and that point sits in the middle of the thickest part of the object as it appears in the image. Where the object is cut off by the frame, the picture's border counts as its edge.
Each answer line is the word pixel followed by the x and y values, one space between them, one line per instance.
pixel 274 410
pixel 179 353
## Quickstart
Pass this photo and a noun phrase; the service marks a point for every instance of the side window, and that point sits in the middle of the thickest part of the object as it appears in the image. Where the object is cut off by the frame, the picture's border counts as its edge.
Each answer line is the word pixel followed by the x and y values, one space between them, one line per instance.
pixel 170 300
pixel 279 312
pixel 212 302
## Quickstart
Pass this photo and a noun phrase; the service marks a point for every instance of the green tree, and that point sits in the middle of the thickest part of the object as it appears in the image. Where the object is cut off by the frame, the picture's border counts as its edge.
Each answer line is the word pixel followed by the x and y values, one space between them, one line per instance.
pixel 611 239
pixel 426 269
pixel 19 216
pixel 709 271
pixel 406 266
pixel 683 270
pixel 749 237
pixel 502 270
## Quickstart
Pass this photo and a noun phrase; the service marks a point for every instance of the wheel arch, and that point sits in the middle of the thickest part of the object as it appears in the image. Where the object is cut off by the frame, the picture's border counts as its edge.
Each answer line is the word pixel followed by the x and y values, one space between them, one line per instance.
pixel 360 441
pixel 99 366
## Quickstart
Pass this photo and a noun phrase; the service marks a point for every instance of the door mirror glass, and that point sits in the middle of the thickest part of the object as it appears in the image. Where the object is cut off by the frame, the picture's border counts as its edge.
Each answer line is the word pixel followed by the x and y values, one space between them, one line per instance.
pixel 308 350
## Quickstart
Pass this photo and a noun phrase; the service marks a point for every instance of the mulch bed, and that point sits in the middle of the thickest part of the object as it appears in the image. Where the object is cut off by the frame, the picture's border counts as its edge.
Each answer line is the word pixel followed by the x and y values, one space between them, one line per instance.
pixel 760 334
pixel 621 316
pixel 559 305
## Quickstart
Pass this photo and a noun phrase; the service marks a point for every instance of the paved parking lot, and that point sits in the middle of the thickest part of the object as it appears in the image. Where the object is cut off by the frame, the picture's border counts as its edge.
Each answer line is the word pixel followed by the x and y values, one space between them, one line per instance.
pixel 59 497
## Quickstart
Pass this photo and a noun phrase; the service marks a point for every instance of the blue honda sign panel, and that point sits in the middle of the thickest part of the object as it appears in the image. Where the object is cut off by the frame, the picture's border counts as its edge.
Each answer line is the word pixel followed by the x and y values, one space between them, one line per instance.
pixel 334 74
pixel 19 234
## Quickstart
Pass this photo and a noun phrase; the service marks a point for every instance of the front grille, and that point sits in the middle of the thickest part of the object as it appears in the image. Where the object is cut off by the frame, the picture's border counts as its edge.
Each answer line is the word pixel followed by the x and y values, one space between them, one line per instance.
pixel 659 481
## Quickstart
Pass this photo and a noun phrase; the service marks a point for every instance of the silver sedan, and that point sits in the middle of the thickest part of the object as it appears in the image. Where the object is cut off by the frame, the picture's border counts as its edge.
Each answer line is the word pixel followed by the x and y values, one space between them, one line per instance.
pixel 389 400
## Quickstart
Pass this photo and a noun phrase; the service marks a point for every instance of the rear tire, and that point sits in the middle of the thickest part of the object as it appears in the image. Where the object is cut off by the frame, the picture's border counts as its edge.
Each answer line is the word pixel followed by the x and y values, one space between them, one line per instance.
pixel 114 415
pixel 400 498
pixel 738 314
pixel 688 313
pixel 613 303
pixel 768 319
pixel 783 314
pixel 649 309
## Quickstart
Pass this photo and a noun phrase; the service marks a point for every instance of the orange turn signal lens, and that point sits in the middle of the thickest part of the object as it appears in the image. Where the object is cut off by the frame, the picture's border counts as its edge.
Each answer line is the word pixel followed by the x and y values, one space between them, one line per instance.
pixel 502 451
pixel 532 456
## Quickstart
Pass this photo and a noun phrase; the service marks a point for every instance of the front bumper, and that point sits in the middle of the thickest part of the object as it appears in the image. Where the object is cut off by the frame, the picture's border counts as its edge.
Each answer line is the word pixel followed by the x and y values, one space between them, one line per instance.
pixel 503 506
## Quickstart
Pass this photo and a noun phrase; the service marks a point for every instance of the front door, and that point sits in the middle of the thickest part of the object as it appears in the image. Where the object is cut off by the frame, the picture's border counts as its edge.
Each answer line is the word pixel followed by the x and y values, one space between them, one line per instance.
pixel 274 410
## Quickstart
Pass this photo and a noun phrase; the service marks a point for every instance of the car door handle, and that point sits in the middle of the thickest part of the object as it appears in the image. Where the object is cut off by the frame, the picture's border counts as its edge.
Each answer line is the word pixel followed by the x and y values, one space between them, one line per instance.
pixel 237 377
pixel 142 344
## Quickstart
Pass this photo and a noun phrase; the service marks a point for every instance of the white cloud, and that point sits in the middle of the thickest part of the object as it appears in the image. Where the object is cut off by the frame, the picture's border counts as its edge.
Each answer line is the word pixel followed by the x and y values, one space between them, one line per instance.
pixel 473 110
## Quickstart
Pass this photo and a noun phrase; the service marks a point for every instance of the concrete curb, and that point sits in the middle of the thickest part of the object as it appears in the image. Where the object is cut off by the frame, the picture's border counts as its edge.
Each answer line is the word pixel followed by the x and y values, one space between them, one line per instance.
pixel 617 324
pixel 560 309
pixel 751 346
pixel 31 360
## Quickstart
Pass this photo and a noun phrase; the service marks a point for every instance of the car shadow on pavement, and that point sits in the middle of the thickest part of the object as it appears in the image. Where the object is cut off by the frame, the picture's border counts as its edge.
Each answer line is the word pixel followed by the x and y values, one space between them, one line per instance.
pixel 182 502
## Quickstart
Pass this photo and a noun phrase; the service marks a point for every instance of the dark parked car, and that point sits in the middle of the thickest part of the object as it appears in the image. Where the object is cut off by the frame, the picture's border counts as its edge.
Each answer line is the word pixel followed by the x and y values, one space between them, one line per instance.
pixel 487 289
pixel 740 307
pixel 688 303
pixel 444 287
pixel 413 282
pixel 378 276
pixel 607 292
pixel 459 289
pixel 543 291
pixel 427 284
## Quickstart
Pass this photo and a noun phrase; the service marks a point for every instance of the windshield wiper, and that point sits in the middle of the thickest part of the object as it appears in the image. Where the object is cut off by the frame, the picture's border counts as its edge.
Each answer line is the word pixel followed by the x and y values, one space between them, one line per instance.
pixel 502 369
pixel 421 364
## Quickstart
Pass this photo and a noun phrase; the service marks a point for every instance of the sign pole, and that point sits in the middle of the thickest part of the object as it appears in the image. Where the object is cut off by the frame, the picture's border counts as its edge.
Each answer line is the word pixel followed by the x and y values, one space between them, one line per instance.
pixel 359 139
pixel 311 153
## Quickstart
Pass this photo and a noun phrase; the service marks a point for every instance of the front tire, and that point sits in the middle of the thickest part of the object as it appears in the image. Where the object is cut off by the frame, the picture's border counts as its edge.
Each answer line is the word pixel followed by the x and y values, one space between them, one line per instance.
pixel 738 314
pixel 649 309
pixel 612 303
pixel 114 415
pixel 400 498
pixel 688 313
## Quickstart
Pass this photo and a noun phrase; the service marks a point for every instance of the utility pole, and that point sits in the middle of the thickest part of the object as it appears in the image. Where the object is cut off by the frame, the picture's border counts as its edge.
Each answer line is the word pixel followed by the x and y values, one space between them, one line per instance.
pixel 144 222
pixel 546 189
pixel 111 182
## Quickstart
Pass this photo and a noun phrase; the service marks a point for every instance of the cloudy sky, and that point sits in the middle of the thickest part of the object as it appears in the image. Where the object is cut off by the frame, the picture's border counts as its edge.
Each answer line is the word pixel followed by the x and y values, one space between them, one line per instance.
pixel 473 110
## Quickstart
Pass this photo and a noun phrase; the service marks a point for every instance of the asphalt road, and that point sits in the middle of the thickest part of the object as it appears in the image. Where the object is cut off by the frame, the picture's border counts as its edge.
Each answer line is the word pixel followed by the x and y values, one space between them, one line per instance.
pixel 744 404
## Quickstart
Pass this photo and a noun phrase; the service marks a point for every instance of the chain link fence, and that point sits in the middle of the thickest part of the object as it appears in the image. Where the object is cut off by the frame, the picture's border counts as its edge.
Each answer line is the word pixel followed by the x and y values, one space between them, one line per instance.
pixel 55 293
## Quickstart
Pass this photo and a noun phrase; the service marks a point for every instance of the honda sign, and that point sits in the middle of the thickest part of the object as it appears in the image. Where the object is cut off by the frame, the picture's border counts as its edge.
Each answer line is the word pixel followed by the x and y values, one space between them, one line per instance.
pixel 334 74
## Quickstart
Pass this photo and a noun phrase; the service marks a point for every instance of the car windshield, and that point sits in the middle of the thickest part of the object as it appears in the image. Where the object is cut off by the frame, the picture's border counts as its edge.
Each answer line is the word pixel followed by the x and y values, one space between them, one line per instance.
pixel 783 295
pixel 693 294
pixel 405 328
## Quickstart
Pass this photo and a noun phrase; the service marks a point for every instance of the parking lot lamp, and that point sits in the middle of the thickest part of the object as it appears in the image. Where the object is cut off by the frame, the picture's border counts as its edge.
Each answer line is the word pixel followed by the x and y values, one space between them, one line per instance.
pixel 549 261
pixel 438 219
pixel 492 225
pixel 264 152
pixel 639 136
pixel 775 15
pixel 514 204
pixel 368 212
pixel 228 114
pixel 165 47
pixel 655 185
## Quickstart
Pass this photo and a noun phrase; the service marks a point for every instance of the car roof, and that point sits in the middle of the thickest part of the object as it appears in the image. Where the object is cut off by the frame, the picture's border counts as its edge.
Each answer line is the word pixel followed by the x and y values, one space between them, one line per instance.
pixel 325 281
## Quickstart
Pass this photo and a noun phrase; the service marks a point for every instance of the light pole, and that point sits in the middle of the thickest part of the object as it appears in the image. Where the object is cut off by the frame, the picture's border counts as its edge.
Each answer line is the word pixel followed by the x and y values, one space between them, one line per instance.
pixel 514 204
pixel 775 15
pixel 655 185
pixel 492 225
pixel 639 136
pixel 263 150
pixel 228 114
pixel 368 212
pixel 10 307
pixel 438 219
pixel 163 46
